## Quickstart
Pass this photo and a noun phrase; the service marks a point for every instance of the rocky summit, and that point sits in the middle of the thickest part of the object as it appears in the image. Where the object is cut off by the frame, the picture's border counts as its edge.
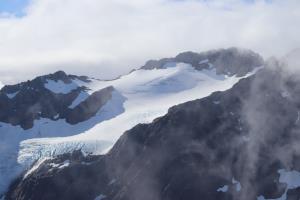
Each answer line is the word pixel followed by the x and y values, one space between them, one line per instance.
pixel 232 61
pixel 49 97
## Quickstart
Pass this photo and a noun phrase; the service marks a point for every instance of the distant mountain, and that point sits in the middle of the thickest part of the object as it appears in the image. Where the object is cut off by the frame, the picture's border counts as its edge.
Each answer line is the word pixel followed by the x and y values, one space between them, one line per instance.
pixel 50 97
pixel 59 113
pixel 239 144
pixel 232 61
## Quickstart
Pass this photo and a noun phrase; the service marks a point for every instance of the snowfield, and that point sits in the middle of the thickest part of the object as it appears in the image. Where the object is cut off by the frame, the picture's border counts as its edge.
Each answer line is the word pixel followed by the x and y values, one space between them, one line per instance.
pixel 140 97
pixel 290 178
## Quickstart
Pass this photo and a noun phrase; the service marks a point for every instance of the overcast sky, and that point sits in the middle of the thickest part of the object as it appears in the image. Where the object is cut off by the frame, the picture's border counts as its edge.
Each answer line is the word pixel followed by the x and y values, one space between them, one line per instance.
pixel 105 38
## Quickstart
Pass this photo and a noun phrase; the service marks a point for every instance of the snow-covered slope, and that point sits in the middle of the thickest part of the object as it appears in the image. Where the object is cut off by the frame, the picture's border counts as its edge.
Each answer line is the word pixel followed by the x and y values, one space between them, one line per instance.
pixel 139 97
pixel 11 136
pixel 148 93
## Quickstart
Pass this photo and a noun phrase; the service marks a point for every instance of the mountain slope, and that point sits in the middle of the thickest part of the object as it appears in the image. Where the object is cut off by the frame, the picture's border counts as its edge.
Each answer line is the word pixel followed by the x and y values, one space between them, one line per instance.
pixel 90 114
pixel 238 144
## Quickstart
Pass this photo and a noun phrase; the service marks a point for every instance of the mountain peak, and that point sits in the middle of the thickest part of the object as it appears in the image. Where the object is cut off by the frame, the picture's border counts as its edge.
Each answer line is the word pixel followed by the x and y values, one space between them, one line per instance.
pixel 59 74
pixel 231 61
pixel 47 96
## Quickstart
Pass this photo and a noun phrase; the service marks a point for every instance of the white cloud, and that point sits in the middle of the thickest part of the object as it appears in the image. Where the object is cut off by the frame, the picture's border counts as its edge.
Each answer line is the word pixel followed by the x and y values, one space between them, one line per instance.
pixel 109 37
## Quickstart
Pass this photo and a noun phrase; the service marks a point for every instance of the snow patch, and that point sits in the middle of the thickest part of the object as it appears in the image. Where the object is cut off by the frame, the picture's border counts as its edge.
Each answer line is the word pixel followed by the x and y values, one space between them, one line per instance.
pixel 35 167
pixel 66 163
pixel 290 178
pixel 234 182
pixel 223 189
pixel 237 184
pixel 203 61
pixel 112 181
pixel 59 87
pixel 285 94
pixel 216 102
pixel 169 64
pixel 54 165
pixel 12 95
pixel 56 116
pixel 100 197
pixel 80 98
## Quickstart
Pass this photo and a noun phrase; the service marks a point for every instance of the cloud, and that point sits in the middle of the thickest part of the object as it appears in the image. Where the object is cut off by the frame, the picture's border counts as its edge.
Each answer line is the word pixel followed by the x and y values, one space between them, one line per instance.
pixel 110 37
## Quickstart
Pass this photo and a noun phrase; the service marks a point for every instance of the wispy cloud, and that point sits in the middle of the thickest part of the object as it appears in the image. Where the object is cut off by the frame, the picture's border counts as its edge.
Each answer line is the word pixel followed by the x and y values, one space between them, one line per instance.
pixel 109 37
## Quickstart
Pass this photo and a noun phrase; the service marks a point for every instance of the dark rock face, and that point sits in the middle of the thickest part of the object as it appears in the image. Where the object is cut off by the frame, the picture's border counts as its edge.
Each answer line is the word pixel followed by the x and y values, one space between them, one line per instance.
pixel 32 100
pixel 232 61
pixel 57 181
pixel 246 133
pixel 89 107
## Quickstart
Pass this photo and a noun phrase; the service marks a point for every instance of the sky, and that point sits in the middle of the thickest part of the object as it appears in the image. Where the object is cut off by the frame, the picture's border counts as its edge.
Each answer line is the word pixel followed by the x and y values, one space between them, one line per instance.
pixel 108 38
pixel 15 7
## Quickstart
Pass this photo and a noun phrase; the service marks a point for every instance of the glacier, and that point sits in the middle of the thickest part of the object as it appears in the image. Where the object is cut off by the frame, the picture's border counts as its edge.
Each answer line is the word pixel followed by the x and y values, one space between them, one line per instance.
pixel 140 97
